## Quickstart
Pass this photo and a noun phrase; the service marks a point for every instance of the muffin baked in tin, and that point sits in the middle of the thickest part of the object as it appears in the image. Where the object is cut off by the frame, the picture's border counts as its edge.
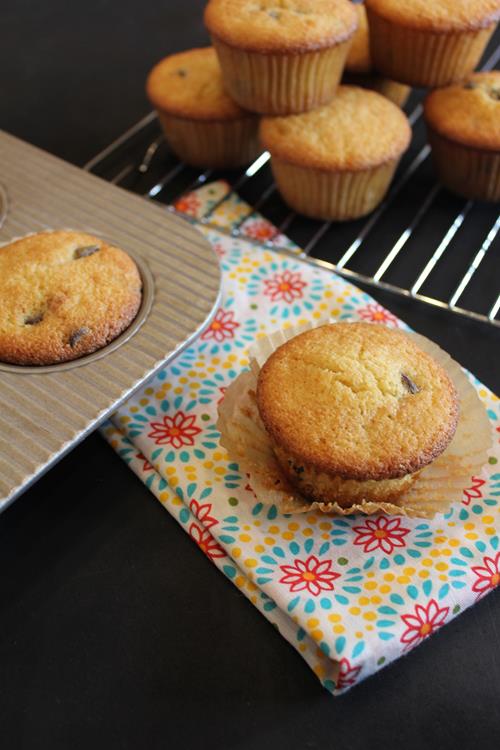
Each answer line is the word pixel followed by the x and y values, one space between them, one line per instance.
pixel 64 294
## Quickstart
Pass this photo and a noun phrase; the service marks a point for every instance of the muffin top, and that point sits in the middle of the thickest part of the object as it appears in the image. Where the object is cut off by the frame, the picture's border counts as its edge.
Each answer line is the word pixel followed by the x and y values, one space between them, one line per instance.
pixel 189 84
pixel 438 15
pixel 64 294
pixel 357 400
pixel 281 25
pixel 468 112
pixel 359 129
pixel 359 58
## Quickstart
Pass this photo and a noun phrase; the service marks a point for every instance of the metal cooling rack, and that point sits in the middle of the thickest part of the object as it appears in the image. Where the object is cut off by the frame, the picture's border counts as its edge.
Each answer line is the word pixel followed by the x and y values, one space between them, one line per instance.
pixel 422 242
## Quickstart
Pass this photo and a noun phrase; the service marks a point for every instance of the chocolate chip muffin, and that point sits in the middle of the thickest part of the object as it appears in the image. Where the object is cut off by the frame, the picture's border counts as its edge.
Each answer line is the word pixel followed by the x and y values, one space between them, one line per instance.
pixel 359 69
pixel 424 43
pixel 336 162
pixel 64 294
pixel 463 123
pixel 281 57
pixel 202 124
pixel 354 411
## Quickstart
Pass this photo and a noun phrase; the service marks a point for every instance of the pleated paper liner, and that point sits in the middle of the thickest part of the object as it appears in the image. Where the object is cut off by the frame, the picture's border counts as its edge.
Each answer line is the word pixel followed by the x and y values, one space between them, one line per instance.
pixel 438 485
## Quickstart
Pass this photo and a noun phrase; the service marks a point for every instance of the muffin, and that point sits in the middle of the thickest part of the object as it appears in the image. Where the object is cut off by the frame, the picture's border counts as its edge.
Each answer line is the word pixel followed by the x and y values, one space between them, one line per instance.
pixel 463 124
pixel 202 124
pixel 359 69
pixel 277 57
pixel 354 411
pixel 64 294
pixel 424 43
pixel 336 162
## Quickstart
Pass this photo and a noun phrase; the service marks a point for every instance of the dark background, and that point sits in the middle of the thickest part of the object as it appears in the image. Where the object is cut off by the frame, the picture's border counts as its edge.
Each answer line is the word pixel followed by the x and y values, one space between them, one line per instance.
pixel 115 631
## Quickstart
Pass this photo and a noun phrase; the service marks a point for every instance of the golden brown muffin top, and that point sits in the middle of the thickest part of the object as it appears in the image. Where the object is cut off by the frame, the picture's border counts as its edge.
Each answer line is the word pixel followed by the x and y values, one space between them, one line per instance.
pixel 359 129
pixel 358 58
pixel 357 400
pixel 438 15
pixel 189 84
pixel 63 294
pixel 281 25
pixel 468 112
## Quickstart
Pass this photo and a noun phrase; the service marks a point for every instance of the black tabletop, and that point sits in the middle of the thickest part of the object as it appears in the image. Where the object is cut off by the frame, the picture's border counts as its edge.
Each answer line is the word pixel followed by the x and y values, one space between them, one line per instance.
pixel 115 631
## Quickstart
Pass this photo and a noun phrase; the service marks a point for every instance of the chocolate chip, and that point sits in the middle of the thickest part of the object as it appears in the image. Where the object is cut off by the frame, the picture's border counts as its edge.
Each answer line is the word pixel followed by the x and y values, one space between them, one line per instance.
pixel 32 320
pixel 84 252
pixel 495 94
pixel 181 73
pixel 470 85
pixel 409 384
pixel 274 14
pixel 77 335
pixel 298 469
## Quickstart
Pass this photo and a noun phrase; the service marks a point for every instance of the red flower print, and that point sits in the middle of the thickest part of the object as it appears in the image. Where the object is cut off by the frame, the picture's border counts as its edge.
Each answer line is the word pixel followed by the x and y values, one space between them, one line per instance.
pixel 146 466
pixel 311 574
pixel 287 286
pixel 381 533
pixel 474 492
pixel 222 389
pixel 249 487
pixel 219 250
pixel 260 229
pixel 188 204
pixel 206 542
pixel 347 674
pixel 488 575
pixel 423 622
pixel 375 313
pixel 177 431
pixel 222 327
pixel 202 513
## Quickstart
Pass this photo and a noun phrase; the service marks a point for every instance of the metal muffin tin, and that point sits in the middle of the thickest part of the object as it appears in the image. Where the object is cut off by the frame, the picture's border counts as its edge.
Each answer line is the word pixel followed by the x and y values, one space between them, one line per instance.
pixel 3 204
pixel 46 411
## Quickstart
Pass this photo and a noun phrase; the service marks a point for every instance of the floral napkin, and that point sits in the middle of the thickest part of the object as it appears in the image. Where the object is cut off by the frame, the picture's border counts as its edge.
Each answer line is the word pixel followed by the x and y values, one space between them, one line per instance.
pixel 350 594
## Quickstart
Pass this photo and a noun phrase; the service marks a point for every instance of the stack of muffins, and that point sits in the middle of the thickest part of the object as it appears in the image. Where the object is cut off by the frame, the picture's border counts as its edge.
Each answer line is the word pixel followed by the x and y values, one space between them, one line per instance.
pixel 272 79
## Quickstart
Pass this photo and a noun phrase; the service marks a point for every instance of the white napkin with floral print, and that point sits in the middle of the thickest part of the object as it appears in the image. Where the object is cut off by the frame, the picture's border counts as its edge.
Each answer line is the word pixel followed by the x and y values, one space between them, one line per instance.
pixel 350 594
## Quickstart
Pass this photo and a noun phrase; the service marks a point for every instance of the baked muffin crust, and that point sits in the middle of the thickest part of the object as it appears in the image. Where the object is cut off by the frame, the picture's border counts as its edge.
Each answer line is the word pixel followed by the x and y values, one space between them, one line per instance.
pixel 360 129
pixel 189 85
pixel 438 15
pixel 468 112
pixel 281 25
pixel 64 294
pixel 356 401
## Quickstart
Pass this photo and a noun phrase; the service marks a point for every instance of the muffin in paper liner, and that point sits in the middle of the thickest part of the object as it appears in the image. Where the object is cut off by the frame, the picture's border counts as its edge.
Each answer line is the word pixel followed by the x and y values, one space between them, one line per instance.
pixel 438 485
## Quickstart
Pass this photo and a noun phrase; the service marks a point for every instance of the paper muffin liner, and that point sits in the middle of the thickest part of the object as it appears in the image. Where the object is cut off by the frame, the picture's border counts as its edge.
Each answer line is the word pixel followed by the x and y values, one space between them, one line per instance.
pixel 438 485
pixel 281 83
pixel 329 195
pixel 471 172
pixel 215 144
pixel 421 57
